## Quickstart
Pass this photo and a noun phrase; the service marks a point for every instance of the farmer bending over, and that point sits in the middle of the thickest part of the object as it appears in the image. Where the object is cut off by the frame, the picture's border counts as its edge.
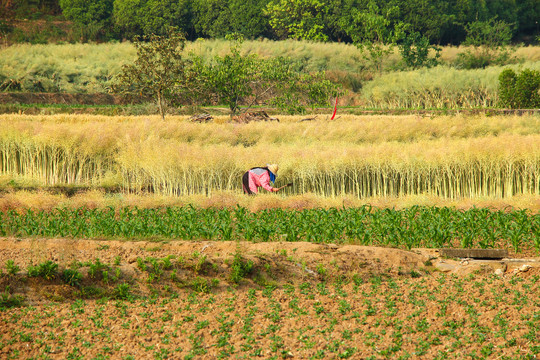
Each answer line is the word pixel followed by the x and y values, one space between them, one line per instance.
pixel 260 177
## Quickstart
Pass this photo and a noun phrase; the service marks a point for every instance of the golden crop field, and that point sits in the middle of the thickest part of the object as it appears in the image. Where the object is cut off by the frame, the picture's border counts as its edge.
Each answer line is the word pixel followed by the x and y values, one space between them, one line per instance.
pixel 459 157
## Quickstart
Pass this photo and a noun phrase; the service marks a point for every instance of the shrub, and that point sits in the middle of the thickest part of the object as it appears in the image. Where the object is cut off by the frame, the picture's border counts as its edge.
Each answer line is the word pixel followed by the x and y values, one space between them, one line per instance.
pixel 71 277
pixel 415 49
pixel 519 91
pixel 123 291
pixel 240 268
pixel 489 42
pixel 47 270
pixel 11 268
pixel 8 300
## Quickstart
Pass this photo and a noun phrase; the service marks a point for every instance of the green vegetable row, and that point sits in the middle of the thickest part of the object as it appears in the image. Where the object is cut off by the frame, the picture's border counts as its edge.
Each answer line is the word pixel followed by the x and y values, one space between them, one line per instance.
pixel 416 226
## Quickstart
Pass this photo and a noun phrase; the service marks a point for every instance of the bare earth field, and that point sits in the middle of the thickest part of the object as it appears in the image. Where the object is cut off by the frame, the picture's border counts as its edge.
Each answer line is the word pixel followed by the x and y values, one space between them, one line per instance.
pixel 207 300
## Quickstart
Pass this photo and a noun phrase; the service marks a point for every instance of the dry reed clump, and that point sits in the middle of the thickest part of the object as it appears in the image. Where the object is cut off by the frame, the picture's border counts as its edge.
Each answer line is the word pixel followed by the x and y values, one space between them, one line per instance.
pixel 441 87
pixel 30 200
pixel 449 54
pixel 87 68
pixel 450 157
pixel 21 200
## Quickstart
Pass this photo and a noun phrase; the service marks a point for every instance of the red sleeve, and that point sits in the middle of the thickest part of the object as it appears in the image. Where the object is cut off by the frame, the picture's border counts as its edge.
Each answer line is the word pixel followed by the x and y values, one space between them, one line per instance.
pixel 265 182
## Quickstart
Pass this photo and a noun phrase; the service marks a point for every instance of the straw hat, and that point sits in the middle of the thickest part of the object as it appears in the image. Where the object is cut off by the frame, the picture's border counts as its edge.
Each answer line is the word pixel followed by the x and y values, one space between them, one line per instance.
pixel 273 168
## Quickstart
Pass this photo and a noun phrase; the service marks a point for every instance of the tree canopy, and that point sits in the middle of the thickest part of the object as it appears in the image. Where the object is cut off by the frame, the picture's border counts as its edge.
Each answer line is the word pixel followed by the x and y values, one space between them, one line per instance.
pixel 440 21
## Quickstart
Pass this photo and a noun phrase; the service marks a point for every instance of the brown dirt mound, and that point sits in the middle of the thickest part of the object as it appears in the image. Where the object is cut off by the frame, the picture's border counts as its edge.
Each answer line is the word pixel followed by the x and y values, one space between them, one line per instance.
pixel 274 263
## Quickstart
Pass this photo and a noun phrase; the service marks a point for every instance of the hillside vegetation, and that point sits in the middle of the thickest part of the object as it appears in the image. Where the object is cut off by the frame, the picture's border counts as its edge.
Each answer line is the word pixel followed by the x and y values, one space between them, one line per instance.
pixel 91 68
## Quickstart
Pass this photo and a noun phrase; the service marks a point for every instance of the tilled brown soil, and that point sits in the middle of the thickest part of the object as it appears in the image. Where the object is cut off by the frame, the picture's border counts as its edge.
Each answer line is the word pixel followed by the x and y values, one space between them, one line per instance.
pixel 295 300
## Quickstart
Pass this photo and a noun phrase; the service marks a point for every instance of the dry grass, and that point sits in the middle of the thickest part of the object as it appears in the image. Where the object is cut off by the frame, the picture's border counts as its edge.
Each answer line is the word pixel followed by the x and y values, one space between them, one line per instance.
pixel 230 199
pixel 449 156
pixel 442 87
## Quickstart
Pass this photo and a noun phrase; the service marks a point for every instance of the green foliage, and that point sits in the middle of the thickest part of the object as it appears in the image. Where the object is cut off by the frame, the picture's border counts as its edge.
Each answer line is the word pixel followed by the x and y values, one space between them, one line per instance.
pixel 93 17
pixel 407 228
pixel 489 41
pixel 158 71
pixel 37 34
pixel 152 16
pixel 217 18
pixel 97 269
pixel 519 91
pixel 201 285
pixel 374 31
pixel 47 270
pixel 71 277
pixel 240 268
pixel 123 291
pixel 440 21
pixel 298 19
pixel 236 79
pixel 8 300
pixel 414 50
pixel 5 28
pixel 11 268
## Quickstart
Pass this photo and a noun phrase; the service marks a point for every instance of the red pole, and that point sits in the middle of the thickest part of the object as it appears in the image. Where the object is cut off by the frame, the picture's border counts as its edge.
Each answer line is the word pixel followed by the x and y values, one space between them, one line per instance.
pixel 335 110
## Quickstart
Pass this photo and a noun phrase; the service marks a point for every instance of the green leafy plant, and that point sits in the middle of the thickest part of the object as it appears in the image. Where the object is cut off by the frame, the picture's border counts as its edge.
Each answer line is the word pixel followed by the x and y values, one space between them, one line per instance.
pixel 8 300
pixel 123 291
pixel 11 268
pixel 47 270
pixel 373 31
pixel 415 51
pixel 298 19
pixel 519 91
pixel 489 42
pixel 237 79
pixel 71 277
pixel 240 268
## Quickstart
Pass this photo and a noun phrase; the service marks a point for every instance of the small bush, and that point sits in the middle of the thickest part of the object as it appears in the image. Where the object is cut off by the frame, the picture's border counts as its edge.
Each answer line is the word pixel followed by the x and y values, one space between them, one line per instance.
pixel 47 270
pixel 8 300
pixel 240 268
pixel 201 285
pixel 11 268
pixel 71 277
pixel 519 91
pixel 123 291
pixel 98 270
pixel 5 28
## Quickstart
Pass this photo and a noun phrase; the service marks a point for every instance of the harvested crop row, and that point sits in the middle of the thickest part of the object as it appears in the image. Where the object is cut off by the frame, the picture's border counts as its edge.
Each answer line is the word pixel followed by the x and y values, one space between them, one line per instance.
pixel 178 158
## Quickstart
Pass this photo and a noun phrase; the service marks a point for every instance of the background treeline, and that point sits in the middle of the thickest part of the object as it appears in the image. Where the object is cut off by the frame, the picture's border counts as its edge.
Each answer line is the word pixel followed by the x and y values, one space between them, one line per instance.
pixel 441 21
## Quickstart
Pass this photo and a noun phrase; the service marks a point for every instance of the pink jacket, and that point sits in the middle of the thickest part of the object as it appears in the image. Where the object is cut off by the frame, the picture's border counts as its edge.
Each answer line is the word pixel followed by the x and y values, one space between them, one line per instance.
pixel 259 178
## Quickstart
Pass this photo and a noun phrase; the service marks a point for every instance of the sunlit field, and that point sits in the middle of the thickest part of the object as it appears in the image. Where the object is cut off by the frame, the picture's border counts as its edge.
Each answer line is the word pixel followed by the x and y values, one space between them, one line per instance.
pixel 360 157
pixel 129 237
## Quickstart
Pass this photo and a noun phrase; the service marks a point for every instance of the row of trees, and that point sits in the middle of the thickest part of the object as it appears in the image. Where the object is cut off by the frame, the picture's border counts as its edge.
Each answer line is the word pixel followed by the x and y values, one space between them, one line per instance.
pixel 163 72
pixel 439 21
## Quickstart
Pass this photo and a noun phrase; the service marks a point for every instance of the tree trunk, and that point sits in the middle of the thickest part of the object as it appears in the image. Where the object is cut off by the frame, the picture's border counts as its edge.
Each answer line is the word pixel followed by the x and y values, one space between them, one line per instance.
pixel 160 105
